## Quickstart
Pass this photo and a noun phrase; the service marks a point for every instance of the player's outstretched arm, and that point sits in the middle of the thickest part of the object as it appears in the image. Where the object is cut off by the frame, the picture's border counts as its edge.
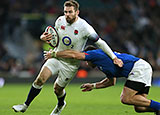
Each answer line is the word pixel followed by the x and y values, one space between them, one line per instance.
pixel 103 45
pixel 107 82
pixel 72 54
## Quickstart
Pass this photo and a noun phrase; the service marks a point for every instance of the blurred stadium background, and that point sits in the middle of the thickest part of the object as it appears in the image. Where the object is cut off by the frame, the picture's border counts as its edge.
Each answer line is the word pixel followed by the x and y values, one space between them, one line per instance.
pixel 130 26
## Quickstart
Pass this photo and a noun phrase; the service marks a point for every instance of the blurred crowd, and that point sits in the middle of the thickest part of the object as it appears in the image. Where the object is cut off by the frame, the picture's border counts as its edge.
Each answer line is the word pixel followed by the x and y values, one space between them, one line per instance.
pixel 129 26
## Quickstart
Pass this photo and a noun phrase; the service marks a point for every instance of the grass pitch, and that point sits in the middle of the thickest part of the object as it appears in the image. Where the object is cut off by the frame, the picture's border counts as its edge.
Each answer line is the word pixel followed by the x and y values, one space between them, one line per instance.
pixel 97 102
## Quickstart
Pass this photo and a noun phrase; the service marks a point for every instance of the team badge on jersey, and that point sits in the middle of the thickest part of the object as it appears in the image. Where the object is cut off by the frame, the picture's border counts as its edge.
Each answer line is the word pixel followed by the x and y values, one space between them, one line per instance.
pixel 66 41
pixel 75 32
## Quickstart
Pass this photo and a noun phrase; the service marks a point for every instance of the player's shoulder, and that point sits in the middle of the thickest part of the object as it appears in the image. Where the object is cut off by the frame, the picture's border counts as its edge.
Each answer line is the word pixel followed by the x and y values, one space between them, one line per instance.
pixel 83 22
pixel 60 19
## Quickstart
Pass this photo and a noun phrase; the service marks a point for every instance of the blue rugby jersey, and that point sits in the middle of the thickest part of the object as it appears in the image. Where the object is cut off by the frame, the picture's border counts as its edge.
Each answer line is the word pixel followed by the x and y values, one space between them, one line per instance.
pixel 106 65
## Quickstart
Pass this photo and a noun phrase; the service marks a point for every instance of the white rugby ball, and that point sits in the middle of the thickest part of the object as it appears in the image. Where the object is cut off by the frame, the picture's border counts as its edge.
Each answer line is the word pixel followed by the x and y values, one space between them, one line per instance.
pixel 55 39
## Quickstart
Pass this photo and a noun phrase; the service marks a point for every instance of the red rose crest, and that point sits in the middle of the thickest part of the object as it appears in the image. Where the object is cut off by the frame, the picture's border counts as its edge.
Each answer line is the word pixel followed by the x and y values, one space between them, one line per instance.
pixel 75 32
pixel 63 27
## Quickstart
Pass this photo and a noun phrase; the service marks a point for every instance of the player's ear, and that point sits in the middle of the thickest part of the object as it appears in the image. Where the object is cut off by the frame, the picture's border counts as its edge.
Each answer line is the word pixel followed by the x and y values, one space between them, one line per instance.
pixel 77 12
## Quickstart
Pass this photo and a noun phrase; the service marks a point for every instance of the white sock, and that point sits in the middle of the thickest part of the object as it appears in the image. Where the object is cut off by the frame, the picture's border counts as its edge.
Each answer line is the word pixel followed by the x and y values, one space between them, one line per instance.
pixel 37 86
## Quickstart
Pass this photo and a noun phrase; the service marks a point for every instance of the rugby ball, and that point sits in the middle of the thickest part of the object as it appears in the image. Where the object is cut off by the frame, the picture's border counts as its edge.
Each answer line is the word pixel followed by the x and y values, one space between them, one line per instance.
pixel 55 39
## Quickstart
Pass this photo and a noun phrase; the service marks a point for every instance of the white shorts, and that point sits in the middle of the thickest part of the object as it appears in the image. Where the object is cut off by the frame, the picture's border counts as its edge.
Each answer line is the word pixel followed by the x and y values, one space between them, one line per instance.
pixel 141 72
pixel 65 71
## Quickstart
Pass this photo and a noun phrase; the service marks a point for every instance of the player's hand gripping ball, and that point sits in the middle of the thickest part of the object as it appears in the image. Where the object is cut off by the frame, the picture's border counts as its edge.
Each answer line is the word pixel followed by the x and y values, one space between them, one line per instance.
pixel 55 39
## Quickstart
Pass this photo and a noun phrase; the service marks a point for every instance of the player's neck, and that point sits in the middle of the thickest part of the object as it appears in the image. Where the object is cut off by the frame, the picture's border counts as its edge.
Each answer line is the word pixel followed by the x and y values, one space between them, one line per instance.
pixel 74 21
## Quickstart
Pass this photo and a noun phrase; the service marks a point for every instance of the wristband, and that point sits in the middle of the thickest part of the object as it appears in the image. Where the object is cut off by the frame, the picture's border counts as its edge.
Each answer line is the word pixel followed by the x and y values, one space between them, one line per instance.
pixel 54 54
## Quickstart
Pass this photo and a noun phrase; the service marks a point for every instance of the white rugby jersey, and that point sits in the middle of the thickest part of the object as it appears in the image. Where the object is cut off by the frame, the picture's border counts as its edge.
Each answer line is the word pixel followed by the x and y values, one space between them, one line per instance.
pixel 74 36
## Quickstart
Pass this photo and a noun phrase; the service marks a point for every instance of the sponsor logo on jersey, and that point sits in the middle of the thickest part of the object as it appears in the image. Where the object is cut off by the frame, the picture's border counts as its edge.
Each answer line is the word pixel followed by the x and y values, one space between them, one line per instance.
pixel 66 41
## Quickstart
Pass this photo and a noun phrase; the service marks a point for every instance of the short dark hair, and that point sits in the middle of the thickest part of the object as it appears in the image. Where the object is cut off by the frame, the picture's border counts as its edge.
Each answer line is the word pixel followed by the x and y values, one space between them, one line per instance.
pixel 90 47
pixel 73 3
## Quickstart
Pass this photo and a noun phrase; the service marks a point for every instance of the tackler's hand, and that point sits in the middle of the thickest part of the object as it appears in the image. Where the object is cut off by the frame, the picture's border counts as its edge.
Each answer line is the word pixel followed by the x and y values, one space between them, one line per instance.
pixel 87 87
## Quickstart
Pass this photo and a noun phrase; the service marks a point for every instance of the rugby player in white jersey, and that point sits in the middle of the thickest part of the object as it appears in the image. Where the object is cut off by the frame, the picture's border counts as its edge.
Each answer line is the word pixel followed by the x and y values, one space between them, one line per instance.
pixel 73 33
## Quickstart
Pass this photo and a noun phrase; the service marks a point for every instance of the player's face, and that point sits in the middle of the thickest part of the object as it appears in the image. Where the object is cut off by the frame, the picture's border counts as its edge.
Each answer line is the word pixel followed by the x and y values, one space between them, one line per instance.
pixel 70 14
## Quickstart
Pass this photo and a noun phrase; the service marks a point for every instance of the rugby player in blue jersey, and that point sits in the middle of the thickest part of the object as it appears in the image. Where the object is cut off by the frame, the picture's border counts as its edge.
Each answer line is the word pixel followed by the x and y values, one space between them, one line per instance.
pixel 137 71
